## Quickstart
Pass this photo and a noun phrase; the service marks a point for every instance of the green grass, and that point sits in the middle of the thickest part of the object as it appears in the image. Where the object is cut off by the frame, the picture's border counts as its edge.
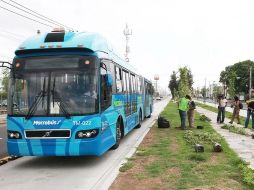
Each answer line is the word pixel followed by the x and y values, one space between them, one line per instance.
pixel 227 114
pixel 181 167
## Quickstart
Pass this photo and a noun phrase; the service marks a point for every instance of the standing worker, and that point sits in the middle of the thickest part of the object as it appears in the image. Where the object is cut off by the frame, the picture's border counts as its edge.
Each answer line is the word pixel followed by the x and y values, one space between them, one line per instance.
pixel 221 109
pixel 183 106
pixel 191 113
pixel 236 111
pixel 250 110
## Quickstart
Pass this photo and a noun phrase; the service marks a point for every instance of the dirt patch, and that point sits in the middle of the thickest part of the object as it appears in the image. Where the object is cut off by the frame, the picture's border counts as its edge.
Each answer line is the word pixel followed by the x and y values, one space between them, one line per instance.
pixel 149 139
pixel 135 178
pixel 150 184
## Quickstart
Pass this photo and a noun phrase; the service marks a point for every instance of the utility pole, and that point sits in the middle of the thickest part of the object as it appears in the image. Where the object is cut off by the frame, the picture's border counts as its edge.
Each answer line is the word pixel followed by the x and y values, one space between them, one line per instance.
pixel 127 32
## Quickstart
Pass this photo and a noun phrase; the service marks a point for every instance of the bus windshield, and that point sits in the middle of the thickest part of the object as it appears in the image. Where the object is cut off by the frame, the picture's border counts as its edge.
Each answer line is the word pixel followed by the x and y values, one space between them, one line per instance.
pixel 54 92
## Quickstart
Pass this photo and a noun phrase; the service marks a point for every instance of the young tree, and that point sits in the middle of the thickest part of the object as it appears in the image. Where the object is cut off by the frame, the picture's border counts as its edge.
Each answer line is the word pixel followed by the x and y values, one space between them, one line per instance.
pixel 183 87
pixel 190 79
pixel 173 85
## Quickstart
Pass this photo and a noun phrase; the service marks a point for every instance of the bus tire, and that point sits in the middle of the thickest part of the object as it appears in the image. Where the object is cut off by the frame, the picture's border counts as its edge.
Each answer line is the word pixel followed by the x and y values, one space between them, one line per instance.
pixel 140 120
pixel 118 135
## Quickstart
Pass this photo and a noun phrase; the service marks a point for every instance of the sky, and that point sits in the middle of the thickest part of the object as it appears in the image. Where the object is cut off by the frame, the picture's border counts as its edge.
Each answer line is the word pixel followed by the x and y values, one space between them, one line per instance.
pixel 204 35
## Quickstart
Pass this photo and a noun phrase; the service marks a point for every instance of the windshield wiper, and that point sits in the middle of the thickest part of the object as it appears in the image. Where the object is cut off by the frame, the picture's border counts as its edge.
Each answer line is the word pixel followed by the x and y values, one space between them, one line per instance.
pixel 62 104
pixel 33 107
pixel 36 101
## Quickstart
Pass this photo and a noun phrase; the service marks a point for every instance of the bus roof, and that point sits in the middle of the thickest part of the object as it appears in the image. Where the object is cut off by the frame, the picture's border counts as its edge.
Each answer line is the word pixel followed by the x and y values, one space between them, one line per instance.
pixel 68 39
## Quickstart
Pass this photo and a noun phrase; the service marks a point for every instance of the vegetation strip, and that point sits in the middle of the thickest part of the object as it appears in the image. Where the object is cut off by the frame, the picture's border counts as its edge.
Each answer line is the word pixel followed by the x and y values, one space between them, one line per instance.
pixel 235 129
pixel 167 160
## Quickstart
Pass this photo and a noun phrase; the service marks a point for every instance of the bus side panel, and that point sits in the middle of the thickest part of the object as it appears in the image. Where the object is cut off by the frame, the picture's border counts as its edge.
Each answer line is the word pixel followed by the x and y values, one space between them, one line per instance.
pixel 140 105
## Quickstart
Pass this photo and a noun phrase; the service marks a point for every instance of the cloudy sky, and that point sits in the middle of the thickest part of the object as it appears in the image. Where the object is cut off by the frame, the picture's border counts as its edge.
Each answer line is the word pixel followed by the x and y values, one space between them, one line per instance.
pixel 205 35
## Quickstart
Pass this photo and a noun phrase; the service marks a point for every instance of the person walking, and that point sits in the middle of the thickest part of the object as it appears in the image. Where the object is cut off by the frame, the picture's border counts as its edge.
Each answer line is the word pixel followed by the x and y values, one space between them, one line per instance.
pixel 250 112
pixel 191 112
pixel 183 106
pixel 236 106
pixel 221 109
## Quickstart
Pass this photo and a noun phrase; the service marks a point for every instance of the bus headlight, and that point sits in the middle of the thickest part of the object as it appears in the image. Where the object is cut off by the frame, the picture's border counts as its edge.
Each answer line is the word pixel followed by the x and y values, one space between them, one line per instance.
pixel 87 134
pixel 14 135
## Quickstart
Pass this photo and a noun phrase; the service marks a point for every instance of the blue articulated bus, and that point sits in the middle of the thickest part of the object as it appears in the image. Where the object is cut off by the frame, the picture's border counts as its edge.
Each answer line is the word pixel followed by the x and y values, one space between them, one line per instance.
pixel 70 94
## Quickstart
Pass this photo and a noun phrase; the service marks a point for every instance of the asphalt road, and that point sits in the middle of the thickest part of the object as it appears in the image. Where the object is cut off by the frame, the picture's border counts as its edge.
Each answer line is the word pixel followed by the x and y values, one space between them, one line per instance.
pixel 76 173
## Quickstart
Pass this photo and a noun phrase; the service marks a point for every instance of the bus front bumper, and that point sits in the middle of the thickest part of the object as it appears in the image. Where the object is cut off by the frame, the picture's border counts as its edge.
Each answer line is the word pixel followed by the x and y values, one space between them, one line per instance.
pixel 55 147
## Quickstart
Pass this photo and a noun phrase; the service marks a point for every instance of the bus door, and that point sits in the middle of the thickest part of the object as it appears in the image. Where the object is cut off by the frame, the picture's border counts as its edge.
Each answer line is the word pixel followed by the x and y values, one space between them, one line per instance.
pixel 127 102
pixel 133 99
pixel 147 106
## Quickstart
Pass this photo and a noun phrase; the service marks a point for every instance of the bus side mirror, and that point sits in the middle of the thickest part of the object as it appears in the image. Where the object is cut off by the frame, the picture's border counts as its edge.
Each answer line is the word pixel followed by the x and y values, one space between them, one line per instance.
pixel 109 80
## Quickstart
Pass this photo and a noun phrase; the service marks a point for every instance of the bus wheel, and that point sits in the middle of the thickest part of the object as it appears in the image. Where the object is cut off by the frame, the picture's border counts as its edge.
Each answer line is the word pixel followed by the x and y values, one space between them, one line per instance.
pixel 139 120
pixel 118 135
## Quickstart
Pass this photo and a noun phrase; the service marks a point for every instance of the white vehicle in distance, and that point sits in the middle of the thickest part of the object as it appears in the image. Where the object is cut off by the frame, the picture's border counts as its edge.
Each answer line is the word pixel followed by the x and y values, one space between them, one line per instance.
pixel 158 98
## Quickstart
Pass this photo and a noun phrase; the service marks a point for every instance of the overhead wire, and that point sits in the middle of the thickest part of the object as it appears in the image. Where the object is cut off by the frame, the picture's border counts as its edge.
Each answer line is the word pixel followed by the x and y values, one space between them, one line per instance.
pixel 26 17
pixel 58 23
pixel 37 15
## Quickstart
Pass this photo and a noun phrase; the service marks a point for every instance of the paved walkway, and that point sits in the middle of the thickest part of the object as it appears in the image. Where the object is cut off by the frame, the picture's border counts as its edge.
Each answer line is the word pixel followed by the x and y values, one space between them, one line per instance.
pixel 241 144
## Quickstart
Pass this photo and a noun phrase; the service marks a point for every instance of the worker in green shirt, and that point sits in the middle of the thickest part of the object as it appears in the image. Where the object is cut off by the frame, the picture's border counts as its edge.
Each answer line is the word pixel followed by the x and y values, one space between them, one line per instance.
pixel 183 106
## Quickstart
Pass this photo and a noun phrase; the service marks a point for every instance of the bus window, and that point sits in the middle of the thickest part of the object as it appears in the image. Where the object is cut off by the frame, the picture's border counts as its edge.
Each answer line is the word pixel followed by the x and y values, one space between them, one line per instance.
pixel 111 67
pixel 140 85
pixel 118 75
pixel 106 92
pixel 127 82
pixel 124 82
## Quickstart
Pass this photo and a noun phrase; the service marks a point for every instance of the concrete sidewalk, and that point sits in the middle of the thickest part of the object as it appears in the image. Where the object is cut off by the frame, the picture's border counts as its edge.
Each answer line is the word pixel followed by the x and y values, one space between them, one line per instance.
pixel 241 144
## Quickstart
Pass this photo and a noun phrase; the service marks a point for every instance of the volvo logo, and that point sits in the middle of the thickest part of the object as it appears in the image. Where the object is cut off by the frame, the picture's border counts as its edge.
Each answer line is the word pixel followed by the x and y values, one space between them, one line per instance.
pixel 47 133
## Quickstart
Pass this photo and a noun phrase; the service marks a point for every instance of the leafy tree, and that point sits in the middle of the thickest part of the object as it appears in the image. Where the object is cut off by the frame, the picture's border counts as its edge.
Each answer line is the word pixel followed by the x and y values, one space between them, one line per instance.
pixel 190 79
pixel 236 77
pixel 173 85
pixel 183 87
pixel 5 82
